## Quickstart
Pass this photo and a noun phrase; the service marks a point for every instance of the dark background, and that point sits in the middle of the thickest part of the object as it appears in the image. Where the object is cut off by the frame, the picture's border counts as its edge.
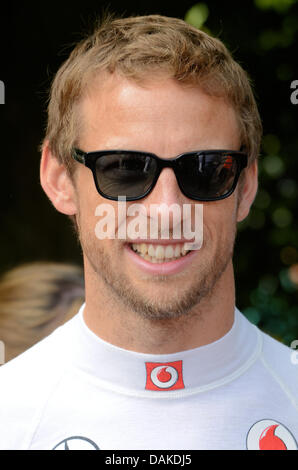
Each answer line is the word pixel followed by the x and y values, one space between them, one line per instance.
pixel 35 38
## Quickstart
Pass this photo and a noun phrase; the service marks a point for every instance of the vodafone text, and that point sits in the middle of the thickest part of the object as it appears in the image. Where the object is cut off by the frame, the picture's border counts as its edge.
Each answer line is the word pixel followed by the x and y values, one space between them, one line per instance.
pixel 152 459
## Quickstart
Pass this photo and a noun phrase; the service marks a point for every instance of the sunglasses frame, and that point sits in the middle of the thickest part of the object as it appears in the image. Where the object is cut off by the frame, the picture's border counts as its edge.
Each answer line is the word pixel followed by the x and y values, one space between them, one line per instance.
pixel 89 160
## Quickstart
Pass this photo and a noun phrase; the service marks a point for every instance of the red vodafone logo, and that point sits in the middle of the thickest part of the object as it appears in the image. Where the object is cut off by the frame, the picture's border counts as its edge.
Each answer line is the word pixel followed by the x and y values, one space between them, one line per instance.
pixel 270 435
pixel 164 375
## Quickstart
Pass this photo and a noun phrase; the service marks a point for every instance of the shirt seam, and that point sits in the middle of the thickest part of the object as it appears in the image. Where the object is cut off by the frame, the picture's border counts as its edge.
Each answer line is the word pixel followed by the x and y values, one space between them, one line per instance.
pixel 280 382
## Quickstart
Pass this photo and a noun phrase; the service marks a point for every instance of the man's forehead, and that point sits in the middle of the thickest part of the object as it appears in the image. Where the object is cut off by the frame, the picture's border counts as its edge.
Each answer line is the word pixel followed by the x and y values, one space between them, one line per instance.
pixel 121 109
pixel 110 93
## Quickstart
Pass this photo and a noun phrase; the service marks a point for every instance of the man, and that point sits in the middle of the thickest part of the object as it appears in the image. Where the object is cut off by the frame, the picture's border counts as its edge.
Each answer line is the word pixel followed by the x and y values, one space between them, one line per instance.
pixel 158 357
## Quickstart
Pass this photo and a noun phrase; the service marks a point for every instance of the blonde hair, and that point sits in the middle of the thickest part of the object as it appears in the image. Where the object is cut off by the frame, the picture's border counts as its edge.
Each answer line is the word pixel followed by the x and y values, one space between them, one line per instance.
pixel 36 298
pixel 139 48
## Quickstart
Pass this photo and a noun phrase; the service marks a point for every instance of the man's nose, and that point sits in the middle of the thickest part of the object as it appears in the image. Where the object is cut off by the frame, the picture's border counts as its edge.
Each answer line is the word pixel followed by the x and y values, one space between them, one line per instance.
pixel 166 190
pixel 164 204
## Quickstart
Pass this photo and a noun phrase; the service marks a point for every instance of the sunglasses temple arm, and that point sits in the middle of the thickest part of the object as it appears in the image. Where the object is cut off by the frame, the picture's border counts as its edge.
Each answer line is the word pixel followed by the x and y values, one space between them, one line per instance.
pixel 79 156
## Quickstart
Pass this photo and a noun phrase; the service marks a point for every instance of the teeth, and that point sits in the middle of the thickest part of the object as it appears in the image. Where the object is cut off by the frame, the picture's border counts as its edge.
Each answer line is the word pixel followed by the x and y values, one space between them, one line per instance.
pixel 151 251
pixel 169 252
pixel 177 250
pixel 143 248
pixel 159 253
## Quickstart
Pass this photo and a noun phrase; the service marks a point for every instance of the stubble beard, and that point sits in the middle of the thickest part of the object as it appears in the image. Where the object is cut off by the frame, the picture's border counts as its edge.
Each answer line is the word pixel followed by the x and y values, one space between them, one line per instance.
pixel 171 303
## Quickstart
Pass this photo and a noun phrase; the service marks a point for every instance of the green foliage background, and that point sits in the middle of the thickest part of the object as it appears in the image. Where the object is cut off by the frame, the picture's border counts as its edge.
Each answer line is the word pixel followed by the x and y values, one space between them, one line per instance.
pixel 266 252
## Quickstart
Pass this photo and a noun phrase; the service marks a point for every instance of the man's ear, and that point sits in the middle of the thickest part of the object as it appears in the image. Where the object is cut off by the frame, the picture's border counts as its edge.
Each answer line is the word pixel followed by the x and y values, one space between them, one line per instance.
pixel 247 191
pixel 56 183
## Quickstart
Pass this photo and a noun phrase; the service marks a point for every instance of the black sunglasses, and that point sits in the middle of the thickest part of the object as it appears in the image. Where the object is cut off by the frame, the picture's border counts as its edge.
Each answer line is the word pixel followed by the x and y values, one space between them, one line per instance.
pixel 205 175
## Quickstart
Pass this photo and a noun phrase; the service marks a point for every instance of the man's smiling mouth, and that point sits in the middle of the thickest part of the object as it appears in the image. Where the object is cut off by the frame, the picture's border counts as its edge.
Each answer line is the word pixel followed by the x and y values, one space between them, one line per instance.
pixel 155 253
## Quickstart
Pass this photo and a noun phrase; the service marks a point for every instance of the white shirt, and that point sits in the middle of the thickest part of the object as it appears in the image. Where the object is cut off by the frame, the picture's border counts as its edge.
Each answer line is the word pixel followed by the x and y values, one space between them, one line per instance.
pixel 73 390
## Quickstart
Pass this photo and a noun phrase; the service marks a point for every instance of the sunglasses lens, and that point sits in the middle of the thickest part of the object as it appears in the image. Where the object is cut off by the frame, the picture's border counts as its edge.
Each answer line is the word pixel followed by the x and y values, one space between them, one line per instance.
pixel 125 174
pixel 204 176
pixel 207 176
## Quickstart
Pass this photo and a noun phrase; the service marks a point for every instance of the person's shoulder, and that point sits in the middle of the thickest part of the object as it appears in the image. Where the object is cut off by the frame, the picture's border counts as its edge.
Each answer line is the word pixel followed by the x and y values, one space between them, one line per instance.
pixel 25 383
pixel 281 361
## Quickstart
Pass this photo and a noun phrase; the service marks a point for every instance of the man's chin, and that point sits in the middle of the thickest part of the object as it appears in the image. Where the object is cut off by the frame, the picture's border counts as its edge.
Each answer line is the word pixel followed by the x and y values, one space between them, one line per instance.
pixel 155 297
pixel 159 298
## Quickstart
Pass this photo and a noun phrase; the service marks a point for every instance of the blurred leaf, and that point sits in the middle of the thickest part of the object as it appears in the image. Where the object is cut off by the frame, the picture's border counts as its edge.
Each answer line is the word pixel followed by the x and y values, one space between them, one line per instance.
pixel 197 15
pixel 281 6
pixel 273 165
pixel 282 217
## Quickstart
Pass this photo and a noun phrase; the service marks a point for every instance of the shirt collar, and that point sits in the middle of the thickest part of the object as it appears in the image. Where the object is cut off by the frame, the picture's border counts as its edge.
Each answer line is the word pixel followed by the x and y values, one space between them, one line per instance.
pixel 164 375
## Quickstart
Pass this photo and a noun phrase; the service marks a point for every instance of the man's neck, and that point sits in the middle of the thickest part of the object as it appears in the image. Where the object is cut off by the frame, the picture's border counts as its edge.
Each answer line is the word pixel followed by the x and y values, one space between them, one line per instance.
pixel 114 322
